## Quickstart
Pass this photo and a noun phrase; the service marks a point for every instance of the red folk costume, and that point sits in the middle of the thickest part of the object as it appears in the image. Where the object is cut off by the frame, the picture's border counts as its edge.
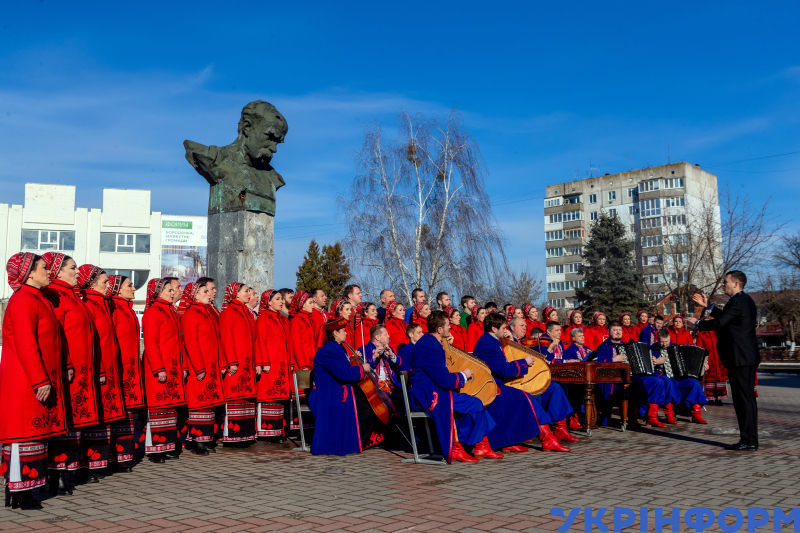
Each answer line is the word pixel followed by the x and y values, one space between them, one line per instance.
pixel 303 349
pixel 679 335
pixel 639 326
pixel 417 319
pixel 526 310
pixel 474 330
pixel 566 335
pixel 628 332
pixel 275 350
pixel 32 358
pixel 163 352
pixel 458 332
pixel 716 377
pixel 239 338
pixel 363 326
pixel 319 317
pixel 396 327
pixel 81 400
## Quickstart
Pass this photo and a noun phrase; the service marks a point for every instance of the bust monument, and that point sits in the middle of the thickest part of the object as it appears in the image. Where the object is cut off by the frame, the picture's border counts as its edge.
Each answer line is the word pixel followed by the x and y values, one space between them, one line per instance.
pixel 240 173
pixel 241 201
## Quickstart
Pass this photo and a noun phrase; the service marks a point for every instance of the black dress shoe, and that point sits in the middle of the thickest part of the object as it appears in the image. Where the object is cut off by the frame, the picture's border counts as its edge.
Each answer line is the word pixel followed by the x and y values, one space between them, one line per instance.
pixel 171 456
pixel 124 468
pixel 211 449
pixel 742 447
pixel 156 458
pixel 199 449
pixel 63 484
pixel 91 477
pixel 26 502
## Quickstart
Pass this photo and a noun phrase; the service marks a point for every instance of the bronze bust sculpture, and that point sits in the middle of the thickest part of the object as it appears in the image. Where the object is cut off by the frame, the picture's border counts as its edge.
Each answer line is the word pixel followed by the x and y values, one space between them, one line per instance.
pixel 240 173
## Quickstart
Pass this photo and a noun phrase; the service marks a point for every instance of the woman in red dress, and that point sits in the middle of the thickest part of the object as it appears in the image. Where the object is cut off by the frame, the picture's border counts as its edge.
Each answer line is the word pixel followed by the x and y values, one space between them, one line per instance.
pixel 678 333
pixel 396 325
pixel 343 308
pixel 204 383
pixel 716 377
pixel 628 331
pixel 366 318
pixel 575 320
pixel 239 337
pixel 304 347
pixel 599 329
pixel 532 319
pixel 458 332
pixel 30 381
pixel 274 354
pixel 550 315
pixel 642 321
pixel 121 293
pixel 97 442
pixel 80 396
pixel 163 370
pixel 475 328
pixel 420 315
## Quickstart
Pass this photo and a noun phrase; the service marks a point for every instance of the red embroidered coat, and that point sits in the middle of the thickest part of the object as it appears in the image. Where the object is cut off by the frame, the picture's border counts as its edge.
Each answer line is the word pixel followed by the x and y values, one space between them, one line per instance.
pixel 318 318
pixel 106 347
pixel 31 358
pixel 680 336
pixel 628 333
pixel 459 336
pixel 127 326
pixel 77 343
pixel 163 352
pixel 238 336
pixel 397 332
pixel 533 324
pixel 201 340
pixel 303 341
pixel 716 373
pixel 474 332
pixel 275 350
pixel 362 332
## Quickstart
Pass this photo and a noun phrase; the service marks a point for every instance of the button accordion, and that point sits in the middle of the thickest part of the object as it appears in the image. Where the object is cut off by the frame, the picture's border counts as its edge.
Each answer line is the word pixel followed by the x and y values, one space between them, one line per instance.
pixel 637 355
pixel 683 361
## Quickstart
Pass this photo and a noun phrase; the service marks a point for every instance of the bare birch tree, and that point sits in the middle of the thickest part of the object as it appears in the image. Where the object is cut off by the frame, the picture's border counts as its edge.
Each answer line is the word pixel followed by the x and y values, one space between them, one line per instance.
pixel 417 214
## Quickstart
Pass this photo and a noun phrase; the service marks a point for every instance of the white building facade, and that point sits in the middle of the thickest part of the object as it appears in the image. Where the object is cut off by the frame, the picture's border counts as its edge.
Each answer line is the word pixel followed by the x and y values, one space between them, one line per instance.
pixel 653 203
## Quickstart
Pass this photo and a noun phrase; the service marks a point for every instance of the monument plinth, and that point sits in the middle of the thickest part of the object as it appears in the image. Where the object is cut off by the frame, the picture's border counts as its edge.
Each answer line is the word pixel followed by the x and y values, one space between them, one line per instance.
pixel 241 201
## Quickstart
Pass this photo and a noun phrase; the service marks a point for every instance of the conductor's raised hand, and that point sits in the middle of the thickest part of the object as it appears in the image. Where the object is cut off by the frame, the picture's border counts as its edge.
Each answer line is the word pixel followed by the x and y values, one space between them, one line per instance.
pixel 700 299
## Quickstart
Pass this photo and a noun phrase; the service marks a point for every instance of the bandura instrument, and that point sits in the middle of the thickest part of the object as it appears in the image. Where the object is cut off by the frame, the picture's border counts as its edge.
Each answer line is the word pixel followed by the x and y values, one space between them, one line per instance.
pixel 378 399
pixel 481 384
pixel 537 379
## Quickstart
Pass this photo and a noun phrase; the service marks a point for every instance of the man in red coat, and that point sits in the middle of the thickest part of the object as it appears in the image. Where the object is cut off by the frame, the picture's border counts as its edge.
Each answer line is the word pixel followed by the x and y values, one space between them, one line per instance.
pixel 30 381
pixel 318 315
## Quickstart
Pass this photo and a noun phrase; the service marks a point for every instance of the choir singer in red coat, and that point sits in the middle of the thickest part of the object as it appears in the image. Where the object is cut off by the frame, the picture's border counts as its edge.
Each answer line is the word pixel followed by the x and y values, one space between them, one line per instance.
pixel 303 349
pixel 274 354
pixel 30 381
pixel 163 371
pixel 396 325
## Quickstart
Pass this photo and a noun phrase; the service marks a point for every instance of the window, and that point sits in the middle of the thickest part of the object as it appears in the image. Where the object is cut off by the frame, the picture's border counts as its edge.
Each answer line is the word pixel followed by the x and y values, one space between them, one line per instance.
pixel 633 228
pixel 555 269
pixel 34 239
pixel 572 268
pixel 677 239
pixel 667 308
pixel 555 252
pixel 632 192
pixel 559 286
pixel 673 183
pixel 572 199
pixel 612 212
pixel 558 303
pixel 676 277
pixel 572 215
pixel 649 260
pixel 675 220
pixel 553 235
pixel 612 196
pixel 650 185
pixel 649 242
pixel 556 218
pixel 631 209
pixel 574 233
pixel 123 243
pixel 654 279
pixel 575 250
pixel 138 277
pixel 552 202
pixel 650 208
pixel 650 223
pixel 593 215
pixel 674 201
pixel 677 258
pixel 592 198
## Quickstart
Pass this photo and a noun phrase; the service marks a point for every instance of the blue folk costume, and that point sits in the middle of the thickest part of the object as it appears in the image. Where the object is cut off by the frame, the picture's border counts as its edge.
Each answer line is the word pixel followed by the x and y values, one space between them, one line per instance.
pixel 386 368
pixel 645 390
pixel 573 351
pixel 554 356
pixel 516 412
pixel 561 355
pixel 687 392
pixel 433 389
pixel 344 421
pixel 649 335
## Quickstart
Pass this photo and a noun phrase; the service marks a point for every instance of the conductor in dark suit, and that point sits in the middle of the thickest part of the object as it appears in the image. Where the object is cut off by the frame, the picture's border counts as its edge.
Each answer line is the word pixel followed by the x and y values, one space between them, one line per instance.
pixel 738 350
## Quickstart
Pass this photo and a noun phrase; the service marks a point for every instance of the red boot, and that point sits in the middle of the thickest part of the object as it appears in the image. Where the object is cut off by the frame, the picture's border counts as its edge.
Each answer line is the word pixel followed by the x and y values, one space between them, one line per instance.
pixel 460 454
pixel 560 432
pixel 652 416
pixel 633 417
pixel 516 448
pixel 669 412
pixel 575 423
pixel 482 449
pixel 696 416
pixel 549 441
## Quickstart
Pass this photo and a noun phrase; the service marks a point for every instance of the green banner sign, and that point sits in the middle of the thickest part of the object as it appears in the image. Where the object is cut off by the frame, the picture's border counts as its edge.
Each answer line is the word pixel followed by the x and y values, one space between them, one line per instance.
pixel 176 224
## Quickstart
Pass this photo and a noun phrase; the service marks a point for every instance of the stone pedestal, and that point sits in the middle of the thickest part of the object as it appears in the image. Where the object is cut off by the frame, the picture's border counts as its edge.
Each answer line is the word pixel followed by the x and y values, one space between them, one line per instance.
pixel 241 247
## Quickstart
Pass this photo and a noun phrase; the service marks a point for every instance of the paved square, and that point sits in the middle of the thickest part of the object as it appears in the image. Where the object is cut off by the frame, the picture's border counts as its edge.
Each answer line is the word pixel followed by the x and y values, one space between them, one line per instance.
pixel 271 488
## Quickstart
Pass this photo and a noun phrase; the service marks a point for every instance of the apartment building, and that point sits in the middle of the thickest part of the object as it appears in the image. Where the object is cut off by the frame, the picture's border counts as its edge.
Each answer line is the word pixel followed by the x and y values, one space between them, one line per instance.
pixel 655 204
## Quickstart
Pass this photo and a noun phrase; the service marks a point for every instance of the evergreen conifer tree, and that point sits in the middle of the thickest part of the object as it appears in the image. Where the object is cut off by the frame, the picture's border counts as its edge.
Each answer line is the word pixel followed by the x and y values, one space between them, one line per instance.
pixel 335 270
pixel 309 274
pixel 612 284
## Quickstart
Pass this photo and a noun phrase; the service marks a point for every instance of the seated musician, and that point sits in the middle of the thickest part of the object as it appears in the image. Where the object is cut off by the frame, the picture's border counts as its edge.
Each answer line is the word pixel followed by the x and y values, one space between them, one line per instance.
pixel 554 353
pixel 460 419
pixel 577 351
pixel 687 392
pixel 379 354
pixel 553 400
pixel 646 390
pixel 649 333
pixel 414 333
pixel 345 422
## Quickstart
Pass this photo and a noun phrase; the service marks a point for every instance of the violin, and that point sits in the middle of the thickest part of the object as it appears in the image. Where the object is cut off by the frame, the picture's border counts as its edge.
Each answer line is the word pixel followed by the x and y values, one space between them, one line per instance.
pixel 378 399
pixel 537 340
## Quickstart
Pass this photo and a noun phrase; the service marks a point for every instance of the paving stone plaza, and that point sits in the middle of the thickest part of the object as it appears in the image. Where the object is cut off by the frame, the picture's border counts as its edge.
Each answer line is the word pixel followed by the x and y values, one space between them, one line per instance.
pixel 271 488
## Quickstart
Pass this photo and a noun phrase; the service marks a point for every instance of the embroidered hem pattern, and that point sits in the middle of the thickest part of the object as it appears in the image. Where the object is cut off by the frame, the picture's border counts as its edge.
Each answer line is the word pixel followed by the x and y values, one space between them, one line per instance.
pixel 308 417
pixel 24 465
pixel 200 426
pixel 240 422
pixel 122 444
pixel 64 451
pixel 96 447
pixel 270 419
pixel 161 433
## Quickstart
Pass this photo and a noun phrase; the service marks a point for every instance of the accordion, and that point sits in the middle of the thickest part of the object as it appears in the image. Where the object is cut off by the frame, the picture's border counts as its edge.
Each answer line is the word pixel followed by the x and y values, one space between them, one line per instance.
pixel 637 355
pixel 685 361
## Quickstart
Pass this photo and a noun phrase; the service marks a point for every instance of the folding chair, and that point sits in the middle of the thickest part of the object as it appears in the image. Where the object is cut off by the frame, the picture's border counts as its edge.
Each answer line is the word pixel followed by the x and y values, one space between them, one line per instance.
pixel 302 380
pixel 410 416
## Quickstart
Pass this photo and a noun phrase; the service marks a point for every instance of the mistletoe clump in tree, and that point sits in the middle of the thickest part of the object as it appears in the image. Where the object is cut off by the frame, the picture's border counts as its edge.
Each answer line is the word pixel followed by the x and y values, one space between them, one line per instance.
pixel 611 282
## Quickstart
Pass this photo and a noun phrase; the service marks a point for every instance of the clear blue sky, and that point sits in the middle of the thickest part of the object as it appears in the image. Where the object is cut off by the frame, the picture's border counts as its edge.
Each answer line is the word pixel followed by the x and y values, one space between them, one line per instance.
pixel 102 94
